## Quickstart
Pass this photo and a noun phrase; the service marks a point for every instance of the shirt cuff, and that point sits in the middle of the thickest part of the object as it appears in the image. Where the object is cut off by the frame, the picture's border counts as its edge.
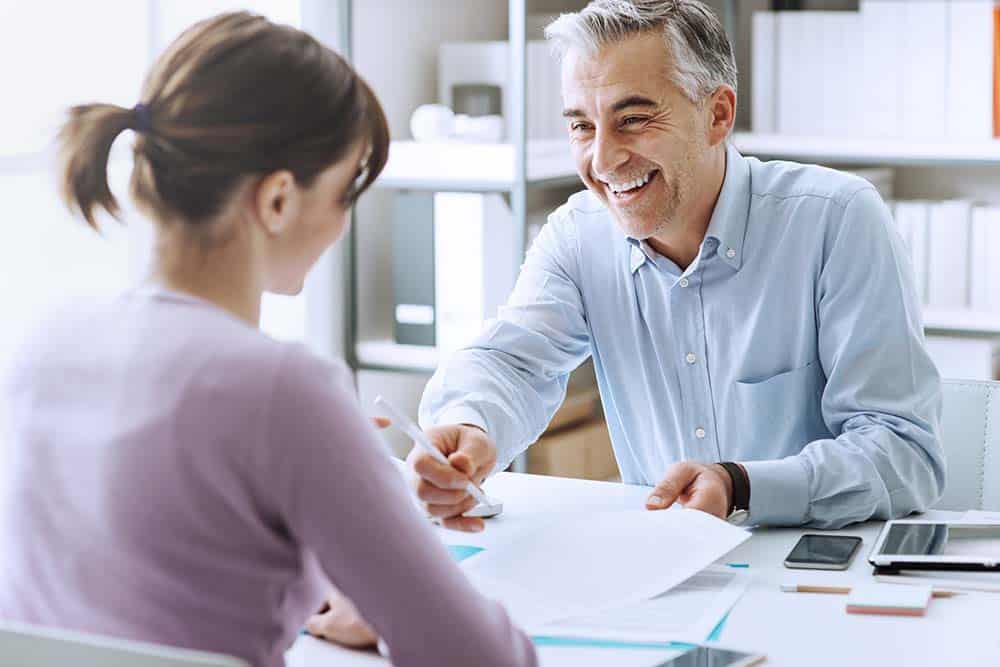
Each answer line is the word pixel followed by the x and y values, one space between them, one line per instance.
pixel 461 414
pixel 779 492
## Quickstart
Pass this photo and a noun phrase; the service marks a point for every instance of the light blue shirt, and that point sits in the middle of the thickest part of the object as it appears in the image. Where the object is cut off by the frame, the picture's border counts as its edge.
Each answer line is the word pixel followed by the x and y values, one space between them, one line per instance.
pixel 793 343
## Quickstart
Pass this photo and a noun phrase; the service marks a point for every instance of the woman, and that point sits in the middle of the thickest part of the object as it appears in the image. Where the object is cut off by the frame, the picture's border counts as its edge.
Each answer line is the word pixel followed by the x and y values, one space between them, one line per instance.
pixel 177 476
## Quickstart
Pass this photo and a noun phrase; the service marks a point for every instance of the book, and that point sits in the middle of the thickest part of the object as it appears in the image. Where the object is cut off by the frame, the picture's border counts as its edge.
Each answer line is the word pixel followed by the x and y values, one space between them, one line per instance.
pixel 996 71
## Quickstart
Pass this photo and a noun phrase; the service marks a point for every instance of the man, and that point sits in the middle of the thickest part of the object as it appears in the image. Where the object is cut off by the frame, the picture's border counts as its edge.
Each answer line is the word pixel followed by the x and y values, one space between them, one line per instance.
pixel 754 326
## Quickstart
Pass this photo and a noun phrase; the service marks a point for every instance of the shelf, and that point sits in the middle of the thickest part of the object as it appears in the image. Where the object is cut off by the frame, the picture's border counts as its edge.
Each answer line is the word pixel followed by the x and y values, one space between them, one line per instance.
pixel 867 151
pixel 471 167
pixel 956 322
pixel 386 354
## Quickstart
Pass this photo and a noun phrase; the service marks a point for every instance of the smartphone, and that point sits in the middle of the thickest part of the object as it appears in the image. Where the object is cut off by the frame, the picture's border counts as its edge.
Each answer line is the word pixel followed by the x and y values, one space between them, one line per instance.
pixel 823 552
pixel 709 656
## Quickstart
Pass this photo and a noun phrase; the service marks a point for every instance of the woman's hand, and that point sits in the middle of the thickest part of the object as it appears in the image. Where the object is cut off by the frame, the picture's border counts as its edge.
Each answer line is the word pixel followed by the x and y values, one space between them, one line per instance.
pixel 339 621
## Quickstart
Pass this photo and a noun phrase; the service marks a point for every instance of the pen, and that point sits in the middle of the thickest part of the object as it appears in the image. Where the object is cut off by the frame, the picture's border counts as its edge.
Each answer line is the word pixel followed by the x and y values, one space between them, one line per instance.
pixel 405 424
pixel 844 590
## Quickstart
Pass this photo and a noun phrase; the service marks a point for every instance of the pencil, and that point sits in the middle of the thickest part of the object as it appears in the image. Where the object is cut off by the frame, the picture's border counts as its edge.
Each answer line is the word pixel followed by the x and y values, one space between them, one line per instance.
pixel 845 590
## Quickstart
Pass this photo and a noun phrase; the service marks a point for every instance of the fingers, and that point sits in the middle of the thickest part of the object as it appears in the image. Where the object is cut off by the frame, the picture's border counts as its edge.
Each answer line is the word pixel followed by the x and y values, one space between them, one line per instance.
pixel 440 475
pixel 678 477
pixel 429 493
pixel 340 622
pixel 451 510
pixel 468 524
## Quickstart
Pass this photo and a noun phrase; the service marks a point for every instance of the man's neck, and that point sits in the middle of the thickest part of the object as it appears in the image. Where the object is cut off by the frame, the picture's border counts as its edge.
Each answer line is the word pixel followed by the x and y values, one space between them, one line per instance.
pixel 681 246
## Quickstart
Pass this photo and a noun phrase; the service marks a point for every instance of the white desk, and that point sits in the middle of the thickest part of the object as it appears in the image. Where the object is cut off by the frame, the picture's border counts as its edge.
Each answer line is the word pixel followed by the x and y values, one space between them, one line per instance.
pixel 793 629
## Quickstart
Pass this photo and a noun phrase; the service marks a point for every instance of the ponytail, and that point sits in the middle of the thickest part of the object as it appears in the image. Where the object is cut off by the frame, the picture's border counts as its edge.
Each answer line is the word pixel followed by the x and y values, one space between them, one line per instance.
pixel 84 147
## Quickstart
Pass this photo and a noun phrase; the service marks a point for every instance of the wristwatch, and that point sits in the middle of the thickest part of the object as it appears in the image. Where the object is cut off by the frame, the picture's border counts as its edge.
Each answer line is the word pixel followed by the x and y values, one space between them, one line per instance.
pixel 739 506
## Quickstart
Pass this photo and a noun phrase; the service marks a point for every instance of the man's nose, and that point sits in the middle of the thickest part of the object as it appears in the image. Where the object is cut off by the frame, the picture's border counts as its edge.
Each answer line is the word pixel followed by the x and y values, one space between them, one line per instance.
pixel 608 155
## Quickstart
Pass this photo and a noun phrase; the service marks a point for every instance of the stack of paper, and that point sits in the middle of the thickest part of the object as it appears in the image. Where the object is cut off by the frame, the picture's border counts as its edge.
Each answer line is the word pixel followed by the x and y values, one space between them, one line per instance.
pixel 607 560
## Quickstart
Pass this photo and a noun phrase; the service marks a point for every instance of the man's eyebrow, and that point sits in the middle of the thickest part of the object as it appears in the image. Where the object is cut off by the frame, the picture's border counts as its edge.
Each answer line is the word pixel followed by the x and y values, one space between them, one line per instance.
pixel 624 103
pixel 633 101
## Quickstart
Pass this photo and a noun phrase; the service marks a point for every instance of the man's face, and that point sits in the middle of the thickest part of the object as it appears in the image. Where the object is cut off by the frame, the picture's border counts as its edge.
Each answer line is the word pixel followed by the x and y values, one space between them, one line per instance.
pixel 637 140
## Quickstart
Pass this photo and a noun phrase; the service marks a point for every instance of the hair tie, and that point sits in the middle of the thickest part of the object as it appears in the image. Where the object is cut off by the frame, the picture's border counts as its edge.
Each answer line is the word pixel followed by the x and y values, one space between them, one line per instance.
pixel 141 121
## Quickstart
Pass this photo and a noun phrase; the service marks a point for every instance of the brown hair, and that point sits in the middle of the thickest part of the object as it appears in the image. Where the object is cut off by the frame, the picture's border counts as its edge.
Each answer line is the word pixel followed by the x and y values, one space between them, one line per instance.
pixel 233 96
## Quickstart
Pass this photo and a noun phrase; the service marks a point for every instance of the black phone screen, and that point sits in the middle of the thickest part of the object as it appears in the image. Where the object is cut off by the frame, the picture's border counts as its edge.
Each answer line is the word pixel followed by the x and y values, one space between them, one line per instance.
pixel 824 549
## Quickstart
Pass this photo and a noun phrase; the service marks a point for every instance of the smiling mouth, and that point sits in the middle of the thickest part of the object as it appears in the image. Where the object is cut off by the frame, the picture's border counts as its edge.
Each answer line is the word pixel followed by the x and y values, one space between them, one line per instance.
pixel 627 189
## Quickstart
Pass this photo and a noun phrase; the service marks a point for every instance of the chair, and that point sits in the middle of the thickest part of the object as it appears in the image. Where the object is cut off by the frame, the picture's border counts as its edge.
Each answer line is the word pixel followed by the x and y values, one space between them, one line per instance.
pixel 970 435
pixel 47 647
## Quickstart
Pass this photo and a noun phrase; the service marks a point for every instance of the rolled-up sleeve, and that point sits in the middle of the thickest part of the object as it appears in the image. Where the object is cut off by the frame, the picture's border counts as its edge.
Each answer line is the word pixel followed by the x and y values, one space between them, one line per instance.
pixel 512 378
pixel 883 393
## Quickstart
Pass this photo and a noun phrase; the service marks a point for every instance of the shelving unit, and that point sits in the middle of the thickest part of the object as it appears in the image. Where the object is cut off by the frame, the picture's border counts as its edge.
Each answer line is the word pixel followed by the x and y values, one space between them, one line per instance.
pixel 836 150
pixel 509 168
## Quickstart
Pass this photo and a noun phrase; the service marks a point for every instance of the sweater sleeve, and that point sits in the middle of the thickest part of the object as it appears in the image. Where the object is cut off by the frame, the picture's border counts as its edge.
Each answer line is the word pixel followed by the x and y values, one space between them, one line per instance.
pixel 340 497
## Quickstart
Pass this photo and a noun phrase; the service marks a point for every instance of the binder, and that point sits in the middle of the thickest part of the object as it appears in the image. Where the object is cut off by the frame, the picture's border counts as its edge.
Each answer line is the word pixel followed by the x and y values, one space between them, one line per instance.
pixel 924 69
pixel 970 73
pixel 764 88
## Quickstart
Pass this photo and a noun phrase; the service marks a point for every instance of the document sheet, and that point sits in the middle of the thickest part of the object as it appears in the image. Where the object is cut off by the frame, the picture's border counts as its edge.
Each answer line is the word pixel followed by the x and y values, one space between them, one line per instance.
pixel 604 560
pixel 688 612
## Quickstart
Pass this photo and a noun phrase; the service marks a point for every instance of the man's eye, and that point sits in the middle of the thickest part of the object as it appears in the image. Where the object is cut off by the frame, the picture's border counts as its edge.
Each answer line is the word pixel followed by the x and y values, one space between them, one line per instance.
pixel 633 120
pixel 578 127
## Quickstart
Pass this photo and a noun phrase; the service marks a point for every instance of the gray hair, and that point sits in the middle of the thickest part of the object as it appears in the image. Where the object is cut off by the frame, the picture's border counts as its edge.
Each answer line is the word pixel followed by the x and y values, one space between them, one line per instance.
pixel 695 39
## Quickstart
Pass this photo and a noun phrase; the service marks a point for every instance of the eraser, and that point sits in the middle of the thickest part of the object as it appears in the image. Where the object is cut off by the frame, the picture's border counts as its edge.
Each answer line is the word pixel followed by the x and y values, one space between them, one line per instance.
pixel 890 599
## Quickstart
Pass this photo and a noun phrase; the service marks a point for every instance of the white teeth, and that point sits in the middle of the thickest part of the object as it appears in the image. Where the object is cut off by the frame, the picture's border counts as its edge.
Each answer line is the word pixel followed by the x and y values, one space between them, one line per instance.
pixel 629 185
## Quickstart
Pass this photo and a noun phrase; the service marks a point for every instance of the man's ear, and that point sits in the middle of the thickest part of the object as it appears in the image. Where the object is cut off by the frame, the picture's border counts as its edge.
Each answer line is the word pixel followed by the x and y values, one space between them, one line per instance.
pixel 276 201
pixel 721 110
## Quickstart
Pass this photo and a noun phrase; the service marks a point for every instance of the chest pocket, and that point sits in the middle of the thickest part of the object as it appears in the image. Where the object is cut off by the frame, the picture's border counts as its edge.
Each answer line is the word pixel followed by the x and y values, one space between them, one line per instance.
pixel 778 415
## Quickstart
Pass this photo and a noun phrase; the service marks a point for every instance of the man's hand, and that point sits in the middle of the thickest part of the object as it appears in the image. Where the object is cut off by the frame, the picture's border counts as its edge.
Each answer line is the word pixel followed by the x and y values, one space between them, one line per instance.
pixel 339 621
pixel 471 454
pixel 708 488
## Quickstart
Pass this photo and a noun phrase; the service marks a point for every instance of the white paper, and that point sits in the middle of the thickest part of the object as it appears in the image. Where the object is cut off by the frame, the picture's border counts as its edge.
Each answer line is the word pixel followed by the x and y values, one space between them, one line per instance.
pixel 585 656
pixel 599 561
pixel 688 612
pixel 979 516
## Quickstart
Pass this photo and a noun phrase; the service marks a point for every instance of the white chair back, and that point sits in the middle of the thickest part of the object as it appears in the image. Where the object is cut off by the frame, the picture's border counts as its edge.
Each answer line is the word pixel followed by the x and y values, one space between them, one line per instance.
pixel 48 647
pixel 970 435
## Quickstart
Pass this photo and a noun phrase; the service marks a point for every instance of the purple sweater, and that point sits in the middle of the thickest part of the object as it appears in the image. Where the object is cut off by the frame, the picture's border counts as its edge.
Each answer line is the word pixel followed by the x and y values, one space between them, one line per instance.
pixel 178 477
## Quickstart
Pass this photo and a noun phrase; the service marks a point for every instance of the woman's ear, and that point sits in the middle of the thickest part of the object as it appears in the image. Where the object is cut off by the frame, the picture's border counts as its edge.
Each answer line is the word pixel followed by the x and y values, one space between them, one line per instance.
pixel 277 201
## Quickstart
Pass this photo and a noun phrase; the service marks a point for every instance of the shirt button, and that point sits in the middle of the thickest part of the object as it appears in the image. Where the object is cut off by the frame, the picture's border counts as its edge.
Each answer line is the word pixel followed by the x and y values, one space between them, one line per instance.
pixel 699 433
pixel 684 282
pixel 730 253
pixel 690 358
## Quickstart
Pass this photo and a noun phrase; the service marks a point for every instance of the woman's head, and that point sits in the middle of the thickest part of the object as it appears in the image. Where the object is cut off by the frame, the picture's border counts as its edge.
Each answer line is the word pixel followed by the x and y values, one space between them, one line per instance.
pixel 245 128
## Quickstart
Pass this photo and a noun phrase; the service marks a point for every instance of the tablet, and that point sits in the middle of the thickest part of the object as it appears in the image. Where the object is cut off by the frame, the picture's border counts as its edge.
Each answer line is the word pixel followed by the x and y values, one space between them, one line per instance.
pixel 936 545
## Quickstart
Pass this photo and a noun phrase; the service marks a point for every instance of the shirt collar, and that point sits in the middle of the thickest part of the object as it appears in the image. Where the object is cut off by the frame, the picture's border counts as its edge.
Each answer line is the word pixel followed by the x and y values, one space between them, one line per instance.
pixel 728 224
pixel 732 210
